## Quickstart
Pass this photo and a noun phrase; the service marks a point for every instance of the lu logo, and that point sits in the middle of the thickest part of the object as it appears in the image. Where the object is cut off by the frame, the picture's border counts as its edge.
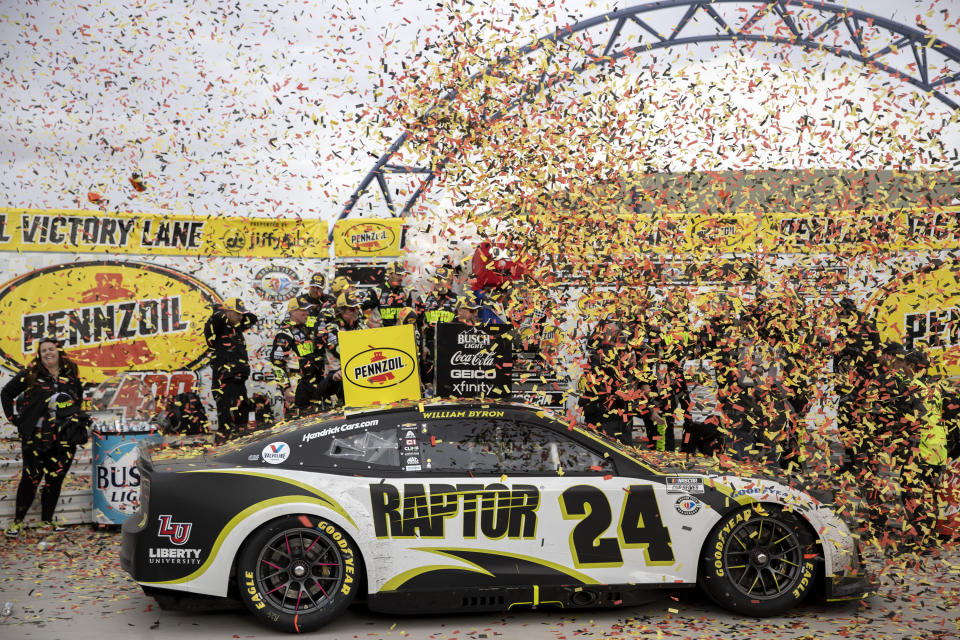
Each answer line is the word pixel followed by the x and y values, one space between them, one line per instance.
pixel 178 532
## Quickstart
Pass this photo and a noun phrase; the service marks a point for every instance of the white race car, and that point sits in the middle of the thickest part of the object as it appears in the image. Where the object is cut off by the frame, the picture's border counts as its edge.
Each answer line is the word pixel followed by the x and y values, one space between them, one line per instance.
pixel 454 507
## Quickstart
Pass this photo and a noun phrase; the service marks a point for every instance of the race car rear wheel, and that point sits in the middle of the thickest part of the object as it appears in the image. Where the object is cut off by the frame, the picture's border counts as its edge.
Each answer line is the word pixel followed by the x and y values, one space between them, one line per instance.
pixel 759 561
pixel 297 573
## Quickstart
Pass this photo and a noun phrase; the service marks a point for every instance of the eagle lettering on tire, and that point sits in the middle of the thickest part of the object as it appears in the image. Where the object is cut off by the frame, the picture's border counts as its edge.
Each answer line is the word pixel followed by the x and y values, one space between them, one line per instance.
pixel 297 573
pixel 759 561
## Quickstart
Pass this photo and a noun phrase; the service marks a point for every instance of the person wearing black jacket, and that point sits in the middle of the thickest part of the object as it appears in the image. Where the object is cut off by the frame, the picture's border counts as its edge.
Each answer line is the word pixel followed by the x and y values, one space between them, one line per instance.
pixel 231 367
pixel 52 393
pixel 603 388
pixel 301 394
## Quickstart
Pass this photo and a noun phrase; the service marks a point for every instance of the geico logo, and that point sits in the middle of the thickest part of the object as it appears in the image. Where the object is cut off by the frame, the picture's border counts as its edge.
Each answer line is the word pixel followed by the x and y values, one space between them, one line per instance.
pixel 111 322
pixel 936 328
pixel 469 374
pixel 495 510
pixel 261 376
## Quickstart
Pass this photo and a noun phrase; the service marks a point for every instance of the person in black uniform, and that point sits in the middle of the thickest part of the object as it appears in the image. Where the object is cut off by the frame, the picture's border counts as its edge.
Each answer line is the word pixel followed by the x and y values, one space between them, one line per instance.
pixel 348 318
pixel 437 306
pixel 231 367
pixel 302 395
pixel 319 303
pixel 602 388
pixel 394 296
pixel 52 394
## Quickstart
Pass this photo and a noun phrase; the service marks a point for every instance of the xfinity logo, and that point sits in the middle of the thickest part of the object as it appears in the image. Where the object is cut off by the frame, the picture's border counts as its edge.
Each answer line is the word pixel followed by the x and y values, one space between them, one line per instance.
pixel 177 532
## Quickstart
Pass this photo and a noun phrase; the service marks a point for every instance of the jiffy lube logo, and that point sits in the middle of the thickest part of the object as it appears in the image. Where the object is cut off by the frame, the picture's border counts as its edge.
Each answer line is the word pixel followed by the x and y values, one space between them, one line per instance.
pixel 111 315
pixel 275 452
pixel 369 237
pixel 377 368
pixel 922 310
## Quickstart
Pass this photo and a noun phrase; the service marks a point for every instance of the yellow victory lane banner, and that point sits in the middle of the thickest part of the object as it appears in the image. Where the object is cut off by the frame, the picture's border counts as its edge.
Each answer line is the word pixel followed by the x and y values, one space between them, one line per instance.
pixel 864 230
pixel 379 365
pixel 921 309
pixel 368 238
pixel 25 230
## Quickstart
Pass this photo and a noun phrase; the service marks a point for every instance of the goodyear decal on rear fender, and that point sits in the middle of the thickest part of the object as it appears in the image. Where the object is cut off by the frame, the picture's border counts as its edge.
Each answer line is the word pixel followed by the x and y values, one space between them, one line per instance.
pixel 380 368
pixel 111 315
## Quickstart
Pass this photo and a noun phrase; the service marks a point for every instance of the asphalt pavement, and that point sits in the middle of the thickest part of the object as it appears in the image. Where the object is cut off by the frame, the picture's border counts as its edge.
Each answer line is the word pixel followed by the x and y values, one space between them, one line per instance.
pixel 72 588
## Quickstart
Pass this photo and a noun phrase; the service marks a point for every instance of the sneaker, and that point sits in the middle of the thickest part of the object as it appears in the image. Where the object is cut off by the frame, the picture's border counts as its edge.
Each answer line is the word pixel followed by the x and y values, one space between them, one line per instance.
pixel 50 526
pixel 13 531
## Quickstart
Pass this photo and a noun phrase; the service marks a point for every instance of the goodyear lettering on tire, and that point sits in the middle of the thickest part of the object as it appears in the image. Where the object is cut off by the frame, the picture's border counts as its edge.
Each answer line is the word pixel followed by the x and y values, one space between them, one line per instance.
pixel 349 566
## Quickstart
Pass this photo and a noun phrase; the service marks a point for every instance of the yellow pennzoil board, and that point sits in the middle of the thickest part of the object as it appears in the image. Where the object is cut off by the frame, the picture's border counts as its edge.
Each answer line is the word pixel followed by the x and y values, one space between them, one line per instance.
pixel 379 365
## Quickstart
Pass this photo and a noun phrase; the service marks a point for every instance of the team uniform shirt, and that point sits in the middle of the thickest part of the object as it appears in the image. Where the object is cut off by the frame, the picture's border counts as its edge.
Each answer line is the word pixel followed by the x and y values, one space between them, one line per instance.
pixel 229 347
pixel 391 301
pixel 332 341
pixel 300 341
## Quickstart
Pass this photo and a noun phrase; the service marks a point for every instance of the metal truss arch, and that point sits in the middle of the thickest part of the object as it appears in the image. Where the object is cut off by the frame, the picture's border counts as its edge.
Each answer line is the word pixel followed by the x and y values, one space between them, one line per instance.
pixel 782 17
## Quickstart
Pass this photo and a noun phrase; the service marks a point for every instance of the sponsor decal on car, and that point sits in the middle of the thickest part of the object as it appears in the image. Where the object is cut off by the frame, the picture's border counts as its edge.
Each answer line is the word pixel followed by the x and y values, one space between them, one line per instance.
pixel 687 505
pixel 340 428
pixel 177 532
pixel 275 452
pixel 494 511
pixel 676 484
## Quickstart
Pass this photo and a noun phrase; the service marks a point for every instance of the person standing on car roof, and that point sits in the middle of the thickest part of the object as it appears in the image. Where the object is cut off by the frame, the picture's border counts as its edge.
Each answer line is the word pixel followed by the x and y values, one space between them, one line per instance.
pixel 437 306
pixel 394 296
pixel 348 318
pixel 301 395
pixel 51 394
pixel 231 367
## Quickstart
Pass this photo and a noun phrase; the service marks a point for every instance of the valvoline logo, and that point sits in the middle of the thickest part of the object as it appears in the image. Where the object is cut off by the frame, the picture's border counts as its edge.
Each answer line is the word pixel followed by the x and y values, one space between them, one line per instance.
pixel 369 237
pixel 275 452
pixel 377 368
pixel 111 316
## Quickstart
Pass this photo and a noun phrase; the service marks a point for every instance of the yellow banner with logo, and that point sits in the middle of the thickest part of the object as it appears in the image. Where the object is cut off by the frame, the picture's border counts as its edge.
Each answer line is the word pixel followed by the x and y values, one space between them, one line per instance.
pixel 368 238
pixel 25 230
pixel 921 310
pixel 379 366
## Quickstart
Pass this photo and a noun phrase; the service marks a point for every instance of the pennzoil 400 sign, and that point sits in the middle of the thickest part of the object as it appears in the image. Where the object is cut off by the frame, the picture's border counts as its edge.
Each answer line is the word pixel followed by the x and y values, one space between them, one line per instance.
pixel 111 316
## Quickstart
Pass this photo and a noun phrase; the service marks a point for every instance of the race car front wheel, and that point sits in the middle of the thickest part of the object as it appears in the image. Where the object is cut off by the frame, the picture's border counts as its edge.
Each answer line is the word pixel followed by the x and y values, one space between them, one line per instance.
pixel 759 561
pixel 297 573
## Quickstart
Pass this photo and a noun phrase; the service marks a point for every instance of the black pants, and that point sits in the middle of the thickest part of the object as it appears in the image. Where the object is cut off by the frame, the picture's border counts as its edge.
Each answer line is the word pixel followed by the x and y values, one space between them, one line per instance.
pixel 232 407
pixel 52 465
pixel 308 398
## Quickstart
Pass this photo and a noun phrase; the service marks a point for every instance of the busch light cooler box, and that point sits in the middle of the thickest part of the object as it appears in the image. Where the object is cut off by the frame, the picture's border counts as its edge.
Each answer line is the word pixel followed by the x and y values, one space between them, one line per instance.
pixel 116 481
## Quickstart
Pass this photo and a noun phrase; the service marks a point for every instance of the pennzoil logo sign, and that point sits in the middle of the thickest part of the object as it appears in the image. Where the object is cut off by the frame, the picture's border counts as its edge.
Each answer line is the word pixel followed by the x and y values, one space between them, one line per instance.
pixel 921 309
pixel 369 237
pixel 111 316
pixel 381 367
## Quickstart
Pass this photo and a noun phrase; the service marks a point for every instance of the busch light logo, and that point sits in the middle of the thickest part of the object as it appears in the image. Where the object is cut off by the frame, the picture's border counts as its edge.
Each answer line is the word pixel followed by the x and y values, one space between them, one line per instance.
pixel 178 532
pixel 275 452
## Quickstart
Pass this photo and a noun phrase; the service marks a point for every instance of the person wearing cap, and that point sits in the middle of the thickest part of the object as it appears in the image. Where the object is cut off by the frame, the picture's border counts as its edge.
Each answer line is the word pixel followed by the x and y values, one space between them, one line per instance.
pixel 295 337
pixel 315 298
pixel 50 393
pixel 394 296
pixel 439 305
pixel 348 318
pixel 230 363
pixel 467 309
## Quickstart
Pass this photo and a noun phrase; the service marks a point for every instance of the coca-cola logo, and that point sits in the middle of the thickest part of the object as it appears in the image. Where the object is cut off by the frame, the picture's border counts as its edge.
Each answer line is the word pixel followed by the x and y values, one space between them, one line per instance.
pixel 478 359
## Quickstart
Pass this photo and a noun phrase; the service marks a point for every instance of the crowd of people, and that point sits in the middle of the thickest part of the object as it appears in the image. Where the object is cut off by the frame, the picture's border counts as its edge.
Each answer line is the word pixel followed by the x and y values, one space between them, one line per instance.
pixel 765 364
pixel 305 353
pixel 768 364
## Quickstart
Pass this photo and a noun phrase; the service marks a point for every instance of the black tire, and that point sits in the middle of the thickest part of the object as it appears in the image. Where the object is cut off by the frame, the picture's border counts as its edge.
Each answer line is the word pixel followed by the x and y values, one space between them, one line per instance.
pixel 759 561
pixel 297 573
